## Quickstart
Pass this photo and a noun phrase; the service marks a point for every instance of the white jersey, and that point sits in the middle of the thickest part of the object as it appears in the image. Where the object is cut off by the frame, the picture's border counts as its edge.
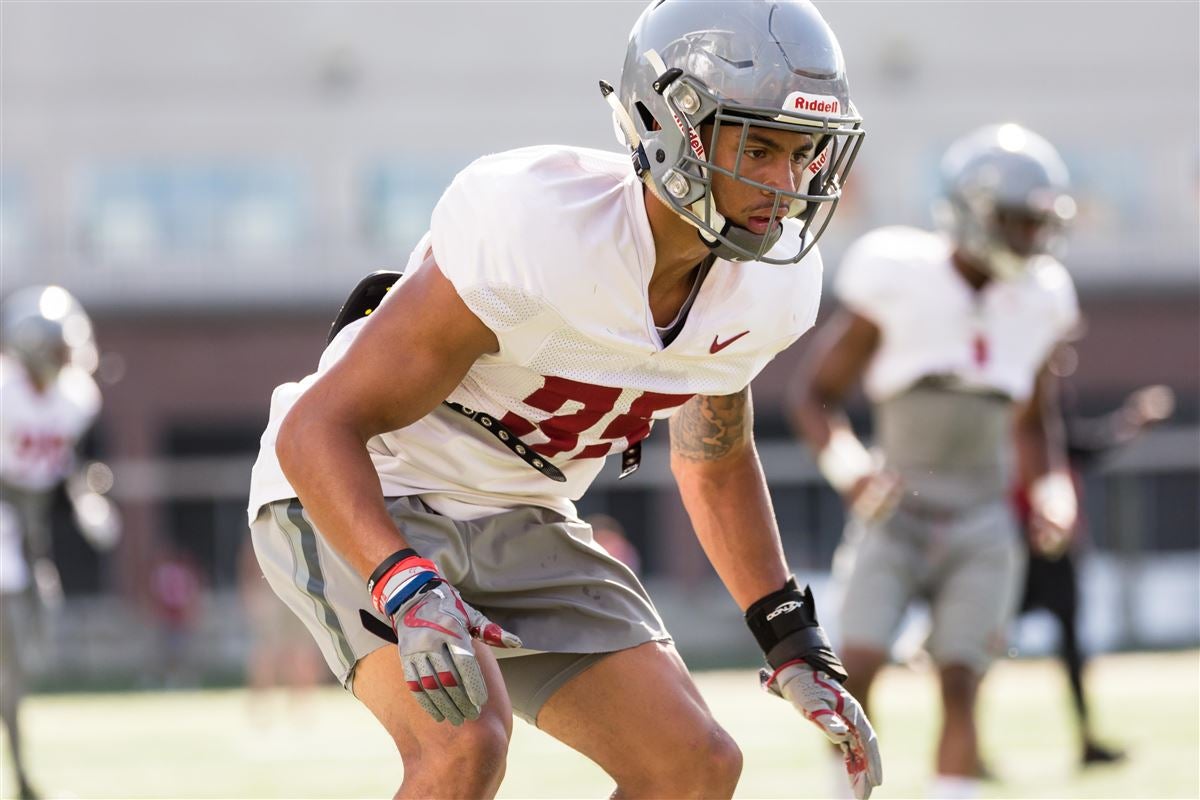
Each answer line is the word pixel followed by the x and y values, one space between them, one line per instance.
pixel 39 432
pixel 551 248
pixel 932 322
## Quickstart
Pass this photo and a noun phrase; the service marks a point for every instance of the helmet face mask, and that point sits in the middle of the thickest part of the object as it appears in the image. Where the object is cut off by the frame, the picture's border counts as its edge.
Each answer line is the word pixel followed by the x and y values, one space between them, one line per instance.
pixel 1025 231
pixel 739 67
pixel 1005 200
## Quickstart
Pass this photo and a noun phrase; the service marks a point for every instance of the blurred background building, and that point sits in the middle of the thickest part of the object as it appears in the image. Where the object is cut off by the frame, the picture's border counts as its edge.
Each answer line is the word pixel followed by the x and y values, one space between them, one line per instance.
pixel 212 179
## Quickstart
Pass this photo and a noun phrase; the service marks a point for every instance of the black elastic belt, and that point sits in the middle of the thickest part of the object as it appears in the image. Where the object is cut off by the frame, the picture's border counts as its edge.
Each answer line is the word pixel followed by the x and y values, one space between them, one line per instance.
pixel 631 459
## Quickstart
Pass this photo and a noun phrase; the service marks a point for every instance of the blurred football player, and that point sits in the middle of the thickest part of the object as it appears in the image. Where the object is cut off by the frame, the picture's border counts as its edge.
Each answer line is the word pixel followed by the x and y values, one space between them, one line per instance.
pixel 562 301
pixel 1051 581
pixel 48 401
pixel 951 336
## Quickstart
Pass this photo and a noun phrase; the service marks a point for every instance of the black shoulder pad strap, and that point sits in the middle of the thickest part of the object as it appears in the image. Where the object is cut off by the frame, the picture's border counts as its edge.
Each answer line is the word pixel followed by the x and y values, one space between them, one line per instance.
pixel 364 299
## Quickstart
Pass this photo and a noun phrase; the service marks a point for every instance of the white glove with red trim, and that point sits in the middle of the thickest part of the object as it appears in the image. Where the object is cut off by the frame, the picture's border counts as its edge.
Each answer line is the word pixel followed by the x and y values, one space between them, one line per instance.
pixel 809 674
pixel 824 702
pixel 434 629
pixel 1053 514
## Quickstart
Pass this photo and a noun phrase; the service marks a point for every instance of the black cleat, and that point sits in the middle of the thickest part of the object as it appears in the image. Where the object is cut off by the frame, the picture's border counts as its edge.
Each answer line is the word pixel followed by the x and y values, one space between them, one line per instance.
pixel 983 772
pixel 1098 754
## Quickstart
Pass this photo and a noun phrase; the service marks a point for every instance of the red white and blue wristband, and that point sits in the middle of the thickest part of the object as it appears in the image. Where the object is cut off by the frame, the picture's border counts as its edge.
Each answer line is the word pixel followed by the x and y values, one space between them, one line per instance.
pixel 402 575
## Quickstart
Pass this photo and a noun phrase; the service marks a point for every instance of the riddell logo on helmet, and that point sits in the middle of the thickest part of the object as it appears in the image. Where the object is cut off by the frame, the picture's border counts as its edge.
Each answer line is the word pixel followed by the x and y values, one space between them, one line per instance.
pixel 812 103
pixel 693 137
pixel 818 163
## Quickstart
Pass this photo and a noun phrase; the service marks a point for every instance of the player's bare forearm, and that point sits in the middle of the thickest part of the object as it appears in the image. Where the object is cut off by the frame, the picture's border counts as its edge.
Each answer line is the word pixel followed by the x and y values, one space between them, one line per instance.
pixel 332 475
pixel 834 365
pixel 1039 436
pixel 725 493
pixel 407 358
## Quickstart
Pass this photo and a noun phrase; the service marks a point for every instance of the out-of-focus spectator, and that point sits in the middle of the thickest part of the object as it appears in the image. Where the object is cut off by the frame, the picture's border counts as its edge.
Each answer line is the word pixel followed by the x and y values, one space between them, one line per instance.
pixel 610 534
pixel 1051 582
pixel 281 652
pixel 175 590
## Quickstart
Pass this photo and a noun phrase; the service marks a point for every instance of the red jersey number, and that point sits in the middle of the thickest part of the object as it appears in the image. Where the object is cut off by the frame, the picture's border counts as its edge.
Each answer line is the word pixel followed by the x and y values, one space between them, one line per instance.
pixel 563 430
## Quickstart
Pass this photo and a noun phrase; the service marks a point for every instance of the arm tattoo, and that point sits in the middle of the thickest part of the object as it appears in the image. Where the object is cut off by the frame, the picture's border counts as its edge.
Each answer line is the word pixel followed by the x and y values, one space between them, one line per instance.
pixel 708 428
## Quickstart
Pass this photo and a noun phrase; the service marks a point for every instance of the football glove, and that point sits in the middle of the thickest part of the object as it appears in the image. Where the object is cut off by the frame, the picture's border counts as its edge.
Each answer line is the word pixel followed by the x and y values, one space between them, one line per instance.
pixel 1054 513
pixel 434 629
pixel 807 673
pixel 824 702
pixel 876 497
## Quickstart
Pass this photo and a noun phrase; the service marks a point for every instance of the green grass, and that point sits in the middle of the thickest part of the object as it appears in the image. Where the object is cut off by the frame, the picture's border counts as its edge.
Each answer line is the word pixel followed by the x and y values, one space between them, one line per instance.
pixel 214 744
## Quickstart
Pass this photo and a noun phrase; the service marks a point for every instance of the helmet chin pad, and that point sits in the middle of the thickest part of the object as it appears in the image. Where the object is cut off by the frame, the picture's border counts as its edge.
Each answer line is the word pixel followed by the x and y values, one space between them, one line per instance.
pixel 739 244
pixel 735 243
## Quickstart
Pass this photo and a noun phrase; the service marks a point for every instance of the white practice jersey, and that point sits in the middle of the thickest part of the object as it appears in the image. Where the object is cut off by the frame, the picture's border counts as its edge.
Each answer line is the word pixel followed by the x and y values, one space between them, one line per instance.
pixel 39 432
pixel 551 248
pixel 933 323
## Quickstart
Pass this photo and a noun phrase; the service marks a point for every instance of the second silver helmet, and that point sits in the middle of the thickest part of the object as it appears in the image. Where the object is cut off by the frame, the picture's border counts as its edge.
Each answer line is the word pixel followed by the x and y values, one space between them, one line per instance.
pixel 1005 197
pixel 46 329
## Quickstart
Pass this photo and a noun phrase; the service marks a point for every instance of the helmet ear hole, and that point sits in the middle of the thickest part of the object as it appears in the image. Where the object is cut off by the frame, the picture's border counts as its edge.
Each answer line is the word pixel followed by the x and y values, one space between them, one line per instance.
pixel 648 120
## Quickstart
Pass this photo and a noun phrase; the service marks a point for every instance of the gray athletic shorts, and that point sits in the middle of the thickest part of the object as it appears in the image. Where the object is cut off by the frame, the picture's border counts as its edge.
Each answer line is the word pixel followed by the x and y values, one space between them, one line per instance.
pixel 530 570
pixel 968 566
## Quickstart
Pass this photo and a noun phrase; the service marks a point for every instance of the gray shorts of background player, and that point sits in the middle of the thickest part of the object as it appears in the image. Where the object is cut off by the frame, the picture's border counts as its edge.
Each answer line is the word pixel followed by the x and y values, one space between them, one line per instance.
pixel 528 569
pixel 968 566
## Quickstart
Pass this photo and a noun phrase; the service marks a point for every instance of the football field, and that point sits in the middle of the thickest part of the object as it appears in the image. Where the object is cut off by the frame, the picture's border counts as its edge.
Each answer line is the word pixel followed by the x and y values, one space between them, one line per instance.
pixel 225 744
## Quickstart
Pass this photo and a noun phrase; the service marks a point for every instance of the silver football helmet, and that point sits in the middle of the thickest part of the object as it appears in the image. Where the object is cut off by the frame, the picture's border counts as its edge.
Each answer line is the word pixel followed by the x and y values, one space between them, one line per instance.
pixel 740 65
pixel 1005 197
pixel 46 329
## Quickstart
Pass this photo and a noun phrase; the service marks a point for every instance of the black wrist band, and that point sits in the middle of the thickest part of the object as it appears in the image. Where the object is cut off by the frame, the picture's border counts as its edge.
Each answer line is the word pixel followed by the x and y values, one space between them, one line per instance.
pixel 389 562
pixel 780 613
pixel 784 624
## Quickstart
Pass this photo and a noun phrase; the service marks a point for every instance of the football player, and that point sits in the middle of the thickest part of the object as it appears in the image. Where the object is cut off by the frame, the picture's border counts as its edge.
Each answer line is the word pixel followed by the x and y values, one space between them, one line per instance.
pixel 419 486
pixel 950 335
pixel 49 401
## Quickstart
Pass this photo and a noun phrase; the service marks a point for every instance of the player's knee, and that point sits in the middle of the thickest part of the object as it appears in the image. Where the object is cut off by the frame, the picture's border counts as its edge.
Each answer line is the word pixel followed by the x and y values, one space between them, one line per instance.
pixel 707 763
pixel 724 760
pixel 469 762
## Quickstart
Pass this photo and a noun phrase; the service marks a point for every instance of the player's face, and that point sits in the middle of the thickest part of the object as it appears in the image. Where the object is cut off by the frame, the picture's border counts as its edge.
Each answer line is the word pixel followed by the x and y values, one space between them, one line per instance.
pixel 46 365
pixel 1025 232
pixel 776 158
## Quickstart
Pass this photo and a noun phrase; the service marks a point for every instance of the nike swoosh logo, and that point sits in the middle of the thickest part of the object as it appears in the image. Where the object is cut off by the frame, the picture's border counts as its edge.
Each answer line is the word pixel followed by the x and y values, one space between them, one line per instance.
pixel 717 347
pixel 411 620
